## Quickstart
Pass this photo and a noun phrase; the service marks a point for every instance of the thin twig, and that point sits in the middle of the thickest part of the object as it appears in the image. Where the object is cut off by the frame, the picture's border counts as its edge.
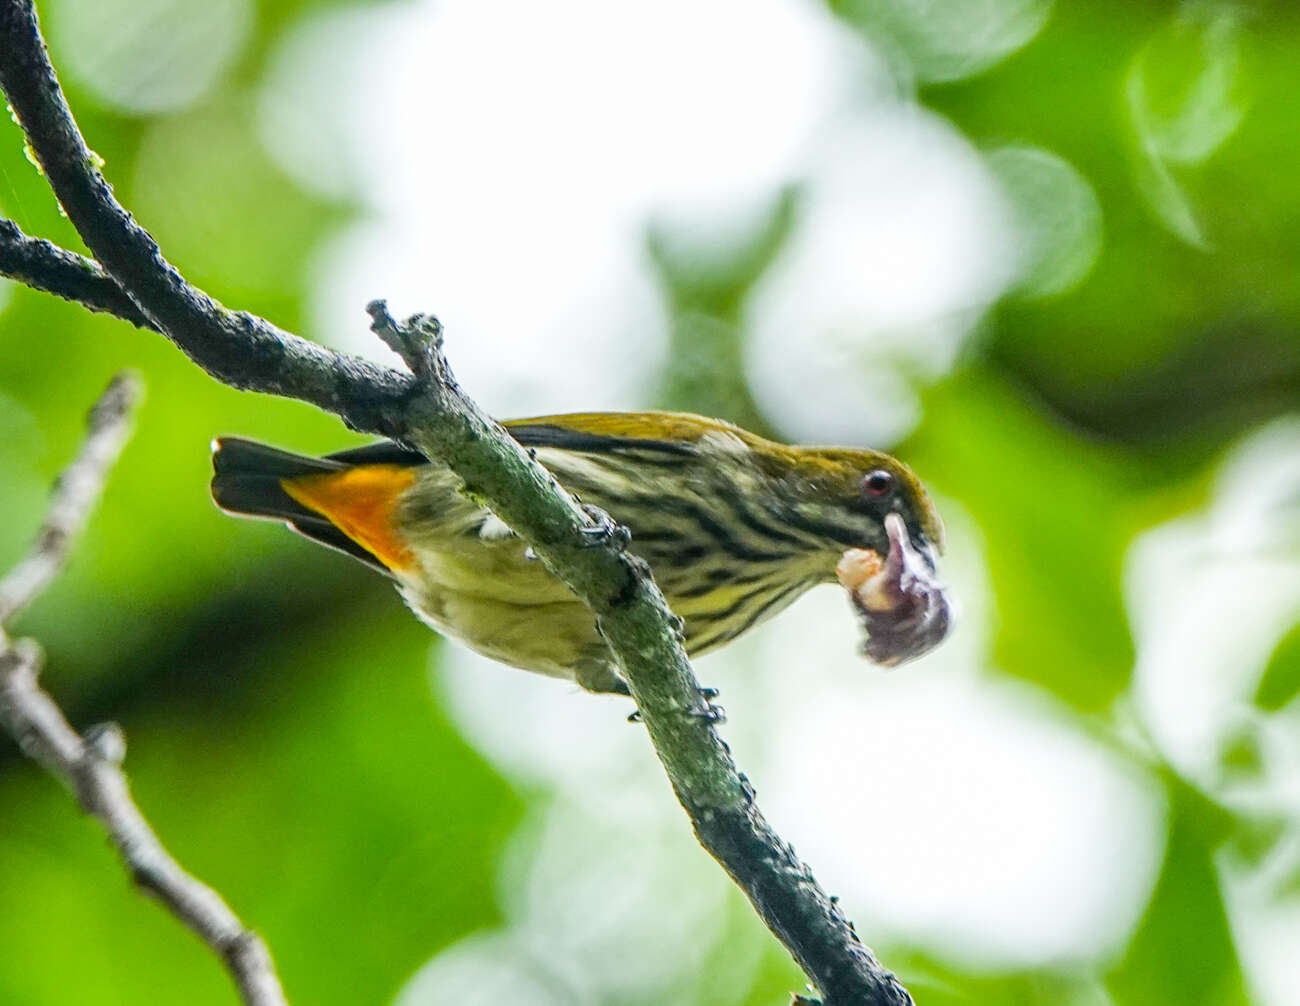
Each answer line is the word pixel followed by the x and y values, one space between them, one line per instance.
pixel 91 765
pixel 74 496
pixel 43 265
pixel 427 410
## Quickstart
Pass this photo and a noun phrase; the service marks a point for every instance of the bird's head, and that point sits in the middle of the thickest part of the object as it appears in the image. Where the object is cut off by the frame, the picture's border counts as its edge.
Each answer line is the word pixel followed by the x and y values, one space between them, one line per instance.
pixel 846 493
pixel 870 509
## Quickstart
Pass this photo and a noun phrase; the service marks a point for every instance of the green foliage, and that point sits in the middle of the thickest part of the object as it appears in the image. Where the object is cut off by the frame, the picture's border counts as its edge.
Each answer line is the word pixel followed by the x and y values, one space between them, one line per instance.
pixel 1186 911
pixel 283 736
pixel 1039 552
pixel 1281 681
pixel 269 770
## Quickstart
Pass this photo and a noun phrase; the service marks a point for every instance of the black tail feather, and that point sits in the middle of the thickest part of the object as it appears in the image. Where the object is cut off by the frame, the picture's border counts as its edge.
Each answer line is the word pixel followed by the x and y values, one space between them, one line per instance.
pixel 236 456
pixel 247 481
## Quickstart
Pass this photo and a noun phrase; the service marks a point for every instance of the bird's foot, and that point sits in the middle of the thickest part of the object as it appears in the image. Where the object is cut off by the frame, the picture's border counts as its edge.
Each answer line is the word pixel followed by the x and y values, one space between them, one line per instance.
pixel 709 713
pixel 706 710
pixel 604 530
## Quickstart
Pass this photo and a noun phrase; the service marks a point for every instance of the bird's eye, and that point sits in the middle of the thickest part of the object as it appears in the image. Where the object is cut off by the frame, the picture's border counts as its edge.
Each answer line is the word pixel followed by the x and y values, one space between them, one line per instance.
pixel 878 483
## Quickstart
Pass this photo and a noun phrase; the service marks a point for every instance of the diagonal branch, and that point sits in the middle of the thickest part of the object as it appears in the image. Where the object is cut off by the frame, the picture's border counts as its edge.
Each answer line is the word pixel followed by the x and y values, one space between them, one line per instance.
pixel 91 765
pixel 429 411
pixel 75 494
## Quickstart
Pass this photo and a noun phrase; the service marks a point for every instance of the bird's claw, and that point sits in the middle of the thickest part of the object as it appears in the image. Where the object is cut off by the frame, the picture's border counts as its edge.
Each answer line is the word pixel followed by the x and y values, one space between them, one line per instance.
pixel 706 711
pixel 604 530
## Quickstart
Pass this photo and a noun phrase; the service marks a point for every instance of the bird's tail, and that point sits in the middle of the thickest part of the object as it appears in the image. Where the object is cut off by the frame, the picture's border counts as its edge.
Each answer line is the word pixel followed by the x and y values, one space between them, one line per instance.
pixel 345 501
pixel 247 478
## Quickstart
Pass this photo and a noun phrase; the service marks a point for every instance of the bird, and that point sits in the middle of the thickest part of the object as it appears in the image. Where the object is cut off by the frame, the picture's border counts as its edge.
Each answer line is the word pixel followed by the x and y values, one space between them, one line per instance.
pixel 734 527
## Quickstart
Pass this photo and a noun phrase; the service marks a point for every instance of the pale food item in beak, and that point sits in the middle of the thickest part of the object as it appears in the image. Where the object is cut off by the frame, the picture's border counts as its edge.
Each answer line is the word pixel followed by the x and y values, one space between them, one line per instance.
pixel 904 610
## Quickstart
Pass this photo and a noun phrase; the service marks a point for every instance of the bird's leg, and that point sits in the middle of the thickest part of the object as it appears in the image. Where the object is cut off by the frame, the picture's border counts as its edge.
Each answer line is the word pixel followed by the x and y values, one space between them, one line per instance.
pixel 600 676
pixel 604 530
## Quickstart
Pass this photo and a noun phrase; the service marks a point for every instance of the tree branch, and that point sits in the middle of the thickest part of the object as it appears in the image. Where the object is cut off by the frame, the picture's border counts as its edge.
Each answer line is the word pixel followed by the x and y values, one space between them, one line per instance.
pixel 73 498
pixel 43 265
pixel 429 411
pixel 91 765
pixel 227 344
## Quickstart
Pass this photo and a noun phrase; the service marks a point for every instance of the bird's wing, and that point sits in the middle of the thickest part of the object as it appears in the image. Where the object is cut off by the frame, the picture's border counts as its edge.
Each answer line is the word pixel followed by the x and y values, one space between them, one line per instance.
pixel 672 432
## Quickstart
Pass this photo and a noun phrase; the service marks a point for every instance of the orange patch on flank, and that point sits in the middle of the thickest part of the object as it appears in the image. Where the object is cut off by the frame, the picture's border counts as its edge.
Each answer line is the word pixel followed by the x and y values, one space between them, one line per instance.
pixel 359 502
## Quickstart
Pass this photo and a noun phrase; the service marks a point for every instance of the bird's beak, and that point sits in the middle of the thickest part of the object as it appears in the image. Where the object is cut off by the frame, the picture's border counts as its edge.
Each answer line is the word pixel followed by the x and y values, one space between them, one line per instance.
pixel 929 554
pixel 906 554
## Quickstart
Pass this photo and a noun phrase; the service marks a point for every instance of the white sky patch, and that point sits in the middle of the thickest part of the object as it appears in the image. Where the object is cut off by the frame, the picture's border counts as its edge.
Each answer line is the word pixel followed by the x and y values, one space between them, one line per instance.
pixel 972 818
pixel 513 156
pixel 949 808
pixel 580 887
pixel 539 731
pixel 610 863
pixel 513 153
pixel 1211 594
pixel 903 241
pixel 1267 930
pixel 490 969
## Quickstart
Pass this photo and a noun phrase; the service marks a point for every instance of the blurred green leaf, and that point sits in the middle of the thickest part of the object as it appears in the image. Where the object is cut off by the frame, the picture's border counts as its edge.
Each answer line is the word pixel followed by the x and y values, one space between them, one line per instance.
pixel 1280 682
pixel 1186 89
pixel 1053 510
pixel 945 987
pixel 1168 349
pixel 228 217
pixel 1288 889
pixel 1255 837
pixel 1183 949
pixel 1185 98
pixel 1240 758
pixel 945 40
pixel 1057 218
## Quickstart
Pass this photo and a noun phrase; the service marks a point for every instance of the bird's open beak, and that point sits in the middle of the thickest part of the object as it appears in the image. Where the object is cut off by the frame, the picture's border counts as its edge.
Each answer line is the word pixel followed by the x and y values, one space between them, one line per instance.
pixel 903 607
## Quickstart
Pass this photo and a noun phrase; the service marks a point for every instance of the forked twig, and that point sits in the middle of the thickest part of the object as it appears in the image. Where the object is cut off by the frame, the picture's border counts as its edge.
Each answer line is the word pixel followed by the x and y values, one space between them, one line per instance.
pixel 91 765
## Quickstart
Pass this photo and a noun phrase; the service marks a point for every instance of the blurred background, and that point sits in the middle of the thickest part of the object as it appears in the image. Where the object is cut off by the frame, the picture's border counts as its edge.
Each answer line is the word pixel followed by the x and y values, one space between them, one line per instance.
pixel 1044 253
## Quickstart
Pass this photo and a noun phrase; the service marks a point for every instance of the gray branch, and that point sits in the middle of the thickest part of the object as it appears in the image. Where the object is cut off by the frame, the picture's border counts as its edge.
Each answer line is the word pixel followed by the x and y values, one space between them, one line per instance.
pixel 73 497
pixel 426 409
pixel 91 765
pixel 43 265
